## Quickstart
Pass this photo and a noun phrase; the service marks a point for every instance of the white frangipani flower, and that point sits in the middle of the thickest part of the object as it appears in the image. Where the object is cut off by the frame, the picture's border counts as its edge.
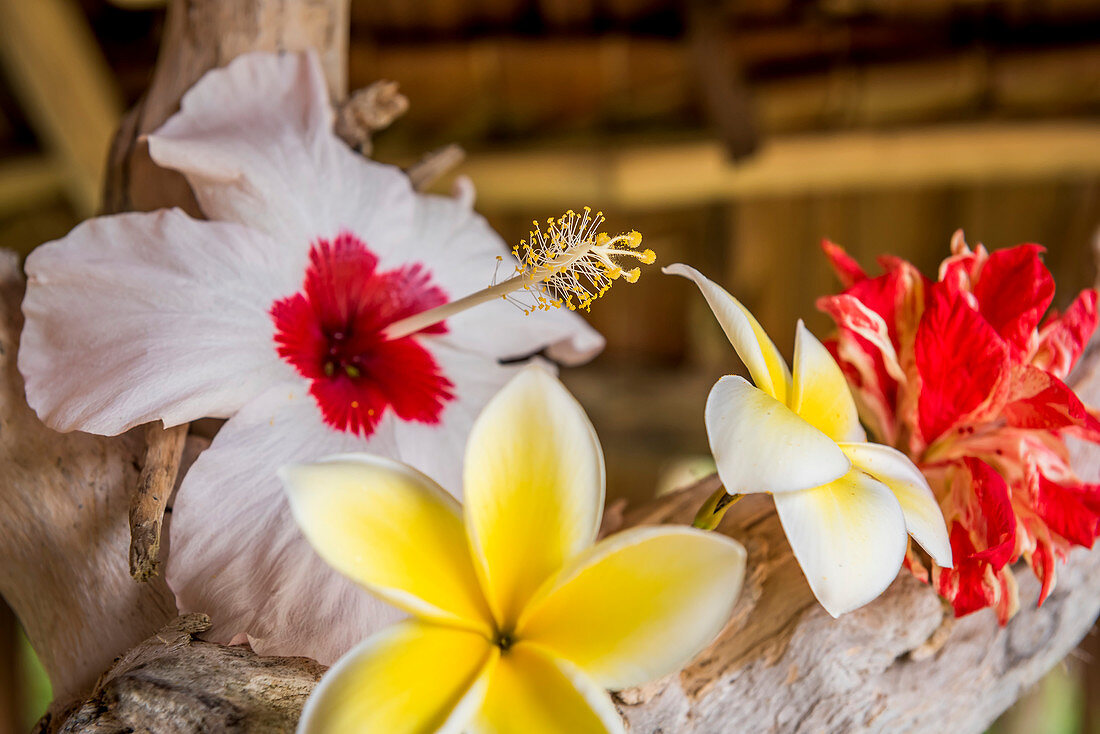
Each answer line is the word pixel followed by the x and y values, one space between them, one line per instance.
pixel 273 314
pixel 846 505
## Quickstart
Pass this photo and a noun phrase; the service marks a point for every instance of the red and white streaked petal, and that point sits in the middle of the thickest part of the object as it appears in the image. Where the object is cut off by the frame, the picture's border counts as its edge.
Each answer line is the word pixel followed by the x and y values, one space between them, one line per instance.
pixel 141 317
pixel 236 552
pixel 857 319
pixel 1038 400
pixel 463 249
pixel 1062 338
pixel 847 270
pixel 755 348
pixel 963 365
pixel 821 394
pixel 848 536
pixel 761 445
pixel 923 517
pixel 254 139
pixel 1013 291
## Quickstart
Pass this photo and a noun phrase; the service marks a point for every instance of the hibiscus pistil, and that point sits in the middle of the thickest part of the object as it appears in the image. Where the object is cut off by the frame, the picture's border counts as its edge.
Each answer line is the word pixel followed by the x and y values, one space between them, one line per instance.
pixel 570 265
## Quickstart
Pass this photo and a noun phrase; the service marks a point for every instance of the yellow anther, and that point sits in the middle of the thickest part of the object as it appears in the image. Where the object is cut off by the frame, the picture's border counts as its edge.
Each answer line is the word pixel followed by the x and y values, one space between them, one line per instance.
pixel 633 238
pixel 632 275
pixel 648 257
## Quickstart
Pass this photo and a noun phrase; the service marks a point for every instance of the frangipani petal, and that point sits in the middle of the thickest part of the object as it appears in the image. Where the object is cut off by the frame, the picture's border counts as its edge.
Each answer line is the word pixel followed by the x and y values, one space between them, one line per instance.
pixel 411 678
pixel 393 530
pixel 254 139
pixel 755 348
pixel 923 517
pixel 534 481
pixel 536 693
pixel 761 445
pixel 638 605
pixel 141 317
pixel 821 394
pixel 236 553
pixel 848 536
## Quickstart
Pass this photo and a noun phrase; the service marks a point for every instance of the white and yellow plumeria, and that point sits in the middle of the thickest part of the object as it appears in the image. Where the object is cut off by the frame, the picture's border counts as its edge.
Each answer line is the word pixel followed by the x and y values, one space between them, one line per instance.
pixel 846 505
pixel 518 622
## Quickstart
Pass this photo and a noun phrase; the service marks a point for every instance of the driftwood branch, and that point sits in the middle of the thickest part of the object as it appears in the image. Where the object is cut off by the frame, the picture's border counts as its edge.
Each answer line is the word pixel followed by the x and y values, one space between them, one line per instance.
pixel 367 111
pixel 435 165
pixel 163 452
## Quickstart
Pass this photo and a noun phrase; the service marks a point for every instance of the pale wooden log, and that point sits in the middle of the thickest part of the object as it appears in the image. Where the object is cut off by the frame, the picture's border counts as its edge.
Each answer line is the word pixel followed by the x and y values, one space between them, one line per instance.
pixel 175 684
pixel 64 529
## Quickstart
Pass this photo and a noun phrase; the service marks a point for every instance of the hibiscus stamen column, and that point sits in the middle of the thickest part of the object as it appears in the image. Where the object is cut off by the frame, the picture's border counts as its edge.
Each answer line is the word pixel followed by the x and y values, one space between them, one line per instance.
pixel 570 264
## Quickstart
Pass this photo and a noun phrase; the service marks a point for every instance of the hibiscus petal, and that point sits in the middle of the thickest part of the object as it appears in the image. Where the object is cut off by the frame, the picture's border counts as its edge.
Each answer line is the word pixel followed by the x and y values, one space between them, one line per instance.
pixel 755 348
pixel 923 517
pixel 821 394
pixel 392 530
pixel 412 677
pixel 236 552
pixel 761 445
pixel 534 480
pixel 254 139
pixel 141 317
pixel 848 536
pixel 536 693
pixel 638 605
pixel 463 249
pixel 438 449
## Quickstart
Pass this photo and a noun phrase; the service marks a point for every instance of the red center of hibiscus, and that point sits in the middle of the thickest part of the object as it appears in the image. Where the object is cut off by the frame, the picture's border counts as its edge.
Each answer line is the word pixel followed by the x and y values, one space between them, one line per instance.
pixel 332 333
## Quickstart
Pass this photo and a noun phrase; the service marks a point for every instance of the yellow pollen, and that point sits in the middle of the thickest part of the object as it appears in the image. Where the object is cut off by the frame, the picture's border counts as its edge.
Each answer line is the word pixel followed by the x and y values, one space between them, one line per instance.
pixel 570 263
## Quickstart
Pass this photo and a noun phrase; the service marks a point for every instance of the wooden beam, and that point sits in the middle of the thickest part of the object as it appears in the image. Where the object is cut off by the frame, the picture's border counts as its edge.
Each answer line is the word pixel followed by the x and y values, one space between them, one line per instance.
pixel 65 87
pixel 683 173
pixel 27 181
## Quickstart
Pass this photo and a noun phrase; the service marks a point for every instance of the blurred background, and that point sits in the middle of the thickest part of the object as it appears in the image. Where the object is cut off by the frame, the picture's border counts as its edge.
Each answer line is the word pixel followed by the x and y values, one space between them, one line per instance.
pixel 733 134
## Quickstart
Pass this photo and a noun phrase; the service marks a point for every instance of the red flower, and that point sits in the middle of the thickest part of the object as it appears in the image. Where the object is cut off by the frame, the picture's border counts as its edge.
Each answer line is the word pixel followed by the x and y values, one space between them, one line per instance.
pixel 963 375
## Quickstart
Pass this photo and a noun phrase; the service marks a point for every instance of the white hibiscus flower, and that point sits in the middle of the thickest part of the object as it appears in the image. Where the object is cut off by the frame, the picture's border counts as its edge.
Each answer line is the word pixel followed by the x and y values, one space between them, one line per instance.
pixel 272 315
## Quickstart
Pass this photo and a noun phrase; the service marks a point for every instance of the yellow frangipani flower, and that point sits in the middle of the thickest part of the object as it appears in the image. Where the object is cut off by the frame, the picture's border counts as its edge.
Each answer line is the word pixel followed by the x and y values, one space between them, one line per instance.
pixel 846 505
pixel 519 622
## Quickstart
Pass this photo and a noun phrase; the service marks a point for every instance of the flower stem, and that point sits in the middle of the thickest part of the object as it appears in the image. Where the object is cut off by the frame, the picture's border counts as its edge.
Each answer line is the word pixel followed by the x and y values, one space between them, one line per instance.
pixel 714 509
